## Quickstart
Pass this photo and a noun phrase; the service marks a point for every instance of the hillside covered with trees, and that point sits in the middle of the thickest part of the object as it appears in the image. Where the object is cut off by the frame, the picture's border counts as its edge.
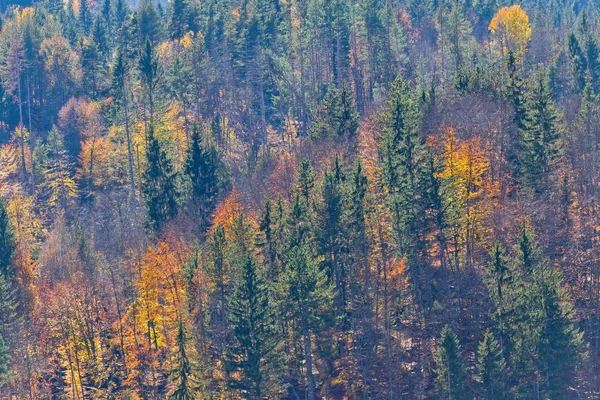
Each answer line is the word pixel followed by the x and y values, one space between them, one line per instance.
pixel 300 199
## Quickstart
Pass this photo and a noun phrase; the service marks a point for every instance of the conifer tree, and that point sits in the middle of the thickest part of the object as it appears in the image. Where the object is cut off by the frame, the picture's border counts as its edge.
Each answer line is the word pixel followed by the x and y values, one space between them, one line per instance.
pixel 253 328
pixel 207 174
pixel 149 73
pixel 5 373
pixel 306 303
pixel 451 374
pixel 330 232
pixel 159 183
pixel 183 374
pixel 491 369
pixel 562 349
pixel 403 164
pixel 541 137
pixel 7 241
pixel 499 280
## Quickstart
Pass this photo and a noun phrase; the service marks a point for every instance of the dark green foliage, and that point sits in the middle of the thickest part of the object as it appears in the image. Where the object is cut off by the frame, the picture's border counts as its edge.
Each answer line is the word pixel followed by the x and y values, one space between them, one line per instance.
pixel 561 347
pixel 160 188
pixel 337 116
pixel 491 369
pixel 7 241
pixel 253 326
pixel 5 374
pixel 207 174
pixel 306 303
pixel 541 137
pixel 183 374
pixel 403 165
pixel 451 374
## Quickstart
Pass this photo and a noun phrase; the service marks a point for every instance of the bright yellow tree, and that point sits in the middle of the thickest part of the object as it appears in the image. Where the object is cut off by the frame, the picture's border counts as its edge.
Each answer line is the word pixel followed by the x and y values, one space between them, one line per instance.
pixel 511 30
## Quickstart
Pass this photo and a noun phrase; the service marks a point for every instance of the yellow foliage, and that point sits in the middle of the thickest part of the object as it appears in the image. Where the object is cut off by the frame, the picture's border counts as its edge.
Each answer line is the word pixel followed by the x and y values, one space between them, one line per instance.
pixel 511 29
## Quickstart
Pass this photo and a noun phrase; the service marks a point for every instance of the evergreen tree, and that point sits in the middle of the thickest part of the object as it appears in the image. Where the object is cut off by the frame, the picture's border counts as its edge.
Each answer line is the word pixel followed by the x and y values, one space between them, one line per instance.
pixel 578 61
pixel 253 329
pixel 451 374
pixel 338 117
pixel 306 303
pixel 207 174
pixel 178 19
pixel 7 241
pixel 499 281
pixel 541 137
pixel 516 95
pixel 330 233
pixel 159 183
pixel 403 164
pixel 5 373
pixel 491 369
pixel 561 348
pixel 183 373
pixel 149 73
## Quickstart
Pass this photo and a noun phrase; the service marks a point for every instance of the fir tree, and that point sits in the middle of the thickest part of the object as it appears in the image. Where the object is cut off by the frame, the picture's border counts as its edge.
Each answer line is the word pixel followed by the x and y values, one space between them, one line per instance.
pixel 403 164
pixel 7 241
pixel 451 374
pixel 562 349
pixel 207 174
pixel 159 183
pixel 491 368
pixel 306 302
pixel 183 374
pixel 5 373
pixel 253 329
pixel 541 137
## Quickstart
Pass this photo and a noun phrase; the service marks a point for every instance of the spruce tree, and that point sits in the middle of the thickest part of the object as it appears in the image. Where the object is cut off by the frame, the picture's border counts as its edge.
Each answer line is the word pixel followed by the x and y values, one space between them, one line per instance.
pixel 516 95
pixel 160 186
pixel 562 349
pixel 7 241
pixel 207 174
pixel 491 369
pixel 403 164
pixel 183 374
pixel 253 326
pixel 306 302
pixel 330 233
pixel 499 280
pixel 5 374
pixel 451 374
pixel 541 137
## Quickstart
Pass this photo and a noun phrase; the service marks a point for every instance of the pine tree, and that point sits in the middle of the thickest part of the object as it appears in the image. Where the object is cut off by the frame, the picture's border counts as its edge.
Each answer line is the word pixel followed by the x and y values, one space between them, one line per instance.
pixel 183 375
pixel 159 183
pixel 253 328
pixel 207 174
pixel 451 374
pixel 491 369
pixel 7 241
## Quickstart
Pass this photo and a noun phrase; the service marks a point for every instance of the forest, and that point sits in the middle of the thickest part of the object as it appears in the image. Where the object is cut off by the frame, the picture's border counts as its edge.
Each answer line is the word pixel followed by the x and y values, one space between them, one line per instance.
pixel 299 199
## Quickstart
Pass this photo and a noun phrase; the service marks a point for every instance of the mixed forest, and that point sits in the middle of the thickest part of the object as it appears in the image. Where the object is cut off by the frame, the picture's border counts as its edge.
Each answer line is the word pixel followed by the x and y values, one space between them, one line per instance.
pixel 299 199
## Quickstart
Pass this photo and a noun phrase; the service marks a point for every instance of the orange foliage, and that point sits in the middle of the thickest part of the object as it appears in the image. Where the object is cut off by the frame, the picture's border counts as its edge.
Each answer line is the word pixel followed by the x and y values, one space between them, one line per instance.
pixel 511 30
